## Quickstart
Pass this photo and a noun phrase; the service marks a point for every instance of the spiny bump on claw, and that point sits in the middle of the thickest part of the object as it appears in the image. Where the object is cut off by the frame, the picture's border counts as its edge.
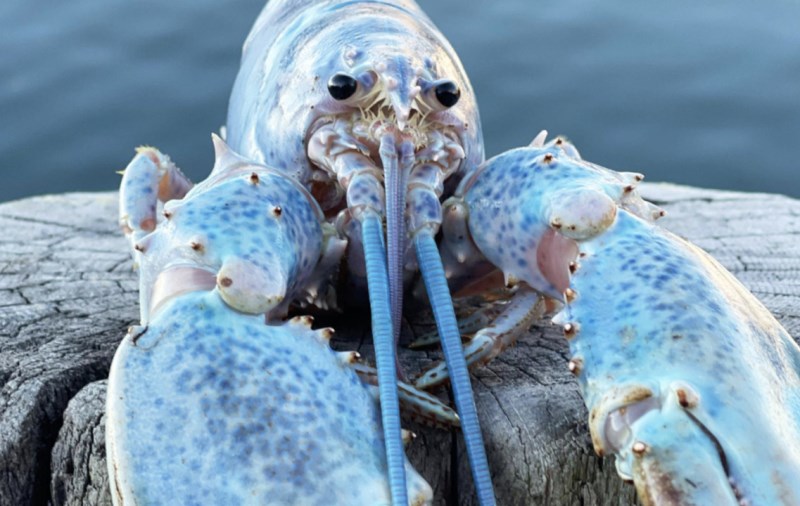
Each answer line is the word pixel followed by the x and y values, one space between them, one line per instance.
pixel 139 247
pixel 276 211
pixel 149 151
pixel 127 230
pixel 226 282
pixel 197 246
pixel 407 436
pixel 575 366
pixel 548 158
pixel 639 448
pixel 570 294
pixel 135 332
pixel 305 320
pixel 659 214
pixel 555 223
pixel 683 399
pixel 326 334
pixel 571 330
pixel 348 357
pixel 511 281
pixel 539 140
pixel 628 188
pixel 167 214
pixel 573 267
pixel 687 398
pixel 253 178
pixel 631 178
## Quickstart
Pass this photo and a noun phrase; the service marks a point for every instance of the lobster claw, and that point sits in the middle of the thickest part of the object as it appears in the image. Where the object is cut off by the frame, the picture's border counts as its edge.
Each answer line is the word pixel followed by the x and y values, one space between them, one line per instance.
pixel 691 383
pixel 207 401
pixel 665 473
pixel 677 452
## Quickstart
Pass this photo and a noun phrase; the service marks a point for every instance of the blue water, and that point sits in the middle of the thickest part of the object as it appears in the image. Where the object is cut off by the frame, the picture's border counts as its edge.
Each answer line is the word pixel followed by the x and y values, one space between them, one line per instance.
pixel 702 93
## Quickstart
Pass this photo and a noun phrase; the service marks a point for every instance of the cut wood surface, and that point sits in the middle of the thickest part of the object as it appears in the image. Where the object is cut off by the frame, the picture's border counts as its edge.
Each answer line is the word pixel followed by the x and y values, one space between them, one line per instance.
pixel 67 294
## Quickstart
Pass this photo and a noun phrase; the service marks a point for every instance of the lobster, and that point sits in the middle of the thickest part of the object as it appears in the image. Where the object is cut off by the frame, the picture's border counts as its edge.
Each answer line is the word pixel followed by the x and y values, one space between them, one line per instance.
pixel 345 114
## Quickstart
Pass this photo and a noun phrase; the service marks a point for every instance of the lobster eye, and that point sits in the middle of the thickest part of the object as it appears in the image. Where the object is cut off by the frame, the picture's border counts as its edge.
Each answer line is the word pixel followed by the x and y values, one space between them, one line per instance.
pixel 342 86
pixel 447 93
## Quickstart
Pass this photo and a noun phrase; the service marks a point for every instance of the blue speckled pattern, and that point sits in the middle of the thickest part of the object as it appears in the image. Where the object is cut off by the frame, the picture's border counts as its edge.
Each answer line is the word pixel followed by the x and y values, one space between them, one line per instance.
pixel 673 320
pixel 689 379
pixel 248 214
pixel 211 406
pixel 214 400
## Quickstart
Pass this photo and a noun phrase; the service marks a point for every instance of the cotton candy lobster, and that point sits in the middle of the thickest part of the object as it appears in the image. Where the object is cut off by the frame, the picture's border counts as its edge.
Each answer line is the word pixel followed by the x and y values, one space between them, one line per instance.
pixel 336 97
pixel 689 380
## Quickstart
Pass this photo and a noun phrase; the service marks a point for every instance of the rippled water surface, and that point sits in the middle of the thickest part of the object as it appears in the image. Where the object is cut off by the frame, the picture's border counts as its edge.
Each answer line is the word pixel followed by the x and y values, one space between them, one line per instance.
pixel 702 93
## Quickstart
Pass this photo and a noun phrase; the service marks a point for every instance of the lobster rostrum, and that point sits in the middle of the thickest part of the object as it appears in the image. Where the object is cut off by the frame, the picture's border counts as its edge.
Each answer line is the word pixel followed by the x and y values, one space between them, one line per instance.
pixel 689 380
pixel 207 401
pixel 367 106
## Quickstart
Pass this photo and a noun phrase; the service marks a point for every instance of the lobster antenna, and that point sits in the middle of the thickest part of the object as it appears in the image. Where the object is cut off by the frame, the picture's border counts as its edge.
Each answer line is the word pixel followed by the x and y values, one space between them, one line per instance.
pixel 430 264
pixel 385 353
pixel 396 175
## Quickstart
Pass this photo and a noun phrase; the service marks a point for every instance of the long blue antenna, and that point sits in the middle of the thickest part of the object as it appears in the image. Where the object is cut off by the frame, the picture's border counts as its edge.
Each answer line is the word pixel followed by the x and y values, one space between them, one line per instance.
pixel 385 357
pixel 439 294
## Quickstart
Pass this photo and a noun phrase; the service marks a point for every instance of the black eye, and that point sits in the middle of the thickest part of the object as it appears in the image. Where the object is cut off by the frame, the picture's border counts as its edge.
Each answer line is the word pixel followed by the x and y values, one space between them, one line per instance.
pixel 447 93
pixel 342 86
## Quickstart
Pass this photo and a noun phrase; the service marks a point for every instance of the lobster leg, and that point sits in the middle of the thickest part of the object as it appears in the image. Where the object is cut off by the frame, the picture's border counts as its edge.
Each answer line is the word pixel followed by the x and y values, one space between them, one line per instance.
pixel 417 404
pixel 524 308
pixel 468 324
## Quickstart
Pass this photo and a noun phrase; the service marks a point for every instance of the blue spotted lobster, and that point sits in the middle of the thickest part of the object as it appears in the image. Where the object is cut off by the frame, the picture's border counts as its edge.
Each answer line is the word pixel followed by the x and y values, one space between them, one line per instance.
pixel 348 116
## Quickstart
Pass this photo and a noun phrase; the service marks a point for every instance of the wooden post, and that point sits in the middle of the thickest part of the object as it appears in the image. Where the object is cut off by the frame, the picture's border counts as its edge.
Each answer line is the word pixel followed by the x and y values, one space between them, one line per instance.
pixel 67 294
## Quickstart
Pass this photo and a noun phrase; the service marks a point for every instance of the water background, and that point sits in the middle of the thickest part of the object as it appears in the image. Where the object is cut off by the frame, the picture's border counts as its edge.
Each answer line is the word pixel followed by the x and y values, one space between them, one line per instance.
pixel 702 93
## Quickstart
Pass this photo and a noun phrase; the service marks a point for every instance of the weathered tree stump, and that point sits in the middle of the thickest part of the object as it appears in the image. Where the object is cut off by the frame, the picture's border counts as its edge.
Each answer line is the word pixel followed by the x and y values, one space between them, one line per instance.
pixel 67 294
